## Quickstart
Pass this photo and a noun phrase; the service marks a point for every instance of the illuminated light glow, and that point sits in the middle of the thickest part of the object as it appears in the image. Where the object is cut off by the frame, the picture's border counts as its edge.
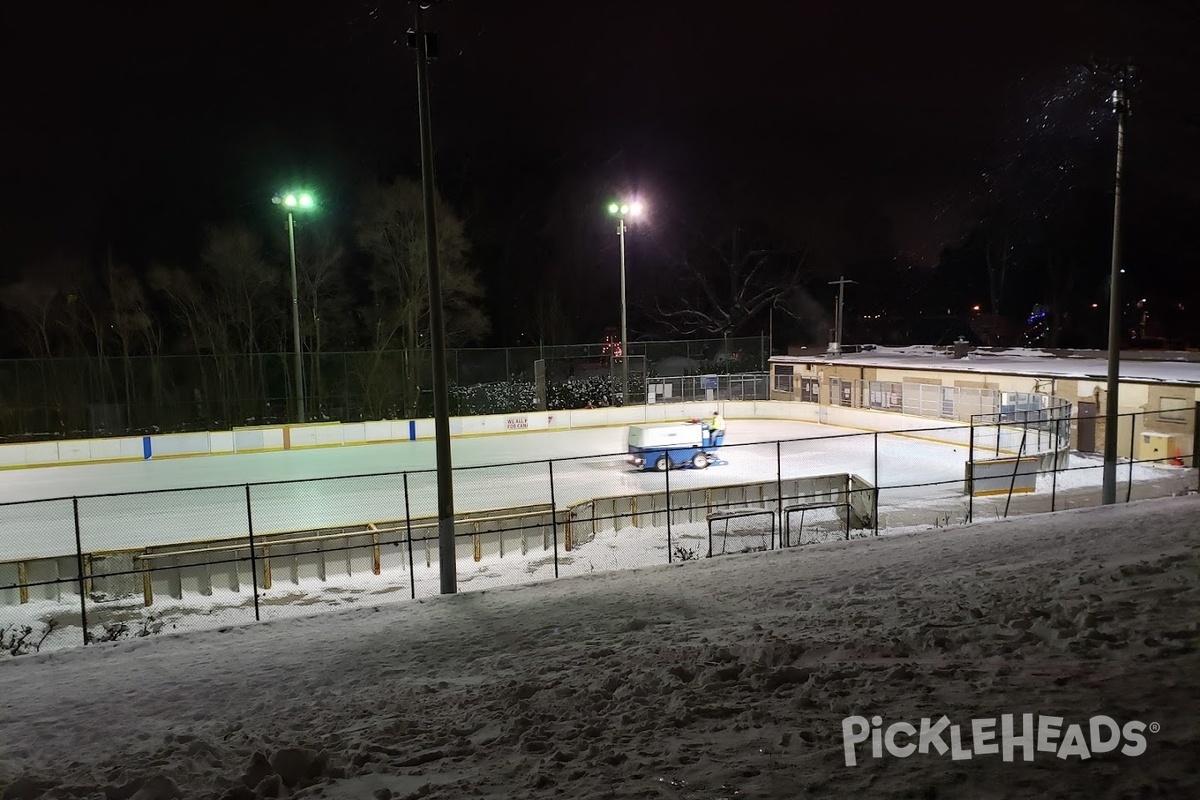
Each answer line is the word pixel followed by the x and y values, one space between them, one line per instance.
pixel 295 200
pixel 631 208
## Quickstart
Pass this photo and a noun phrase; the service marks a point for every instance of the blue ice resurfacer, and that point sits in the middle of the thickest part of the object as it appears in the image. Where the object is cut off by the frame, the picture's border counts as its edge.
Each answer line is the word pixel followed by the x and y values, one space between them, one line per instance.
pixel 683 444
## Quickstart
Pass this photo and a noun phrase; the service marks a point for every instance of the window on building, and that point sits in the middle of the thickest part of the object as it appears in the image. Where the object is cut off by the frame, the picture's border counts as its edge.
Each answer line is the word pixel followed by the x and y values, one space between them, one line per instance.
pixel 1174 409
pixel 841 392
pixel 783 378
pixel 885 395
pixel 810 390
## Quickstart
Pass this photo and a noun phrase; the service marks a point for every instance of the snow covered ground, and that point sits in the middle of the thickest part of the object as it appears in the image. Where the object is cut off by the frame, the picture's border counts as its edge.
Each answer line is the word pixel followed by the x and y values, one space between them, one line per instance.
pixel 734 677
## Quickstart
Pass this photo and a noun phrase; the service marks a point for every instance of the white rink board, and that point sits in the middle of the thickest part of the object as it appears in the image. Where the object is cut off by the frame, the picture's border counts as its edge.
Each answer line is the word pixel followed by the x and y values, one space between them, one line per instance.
pixel 37 530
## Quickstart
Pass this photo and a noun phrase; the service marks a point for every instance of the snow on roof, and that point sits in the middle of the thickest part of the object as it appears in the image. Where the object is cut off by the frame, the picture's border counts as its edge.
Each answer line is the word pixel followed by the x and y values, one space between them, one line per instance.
pixel 1085 364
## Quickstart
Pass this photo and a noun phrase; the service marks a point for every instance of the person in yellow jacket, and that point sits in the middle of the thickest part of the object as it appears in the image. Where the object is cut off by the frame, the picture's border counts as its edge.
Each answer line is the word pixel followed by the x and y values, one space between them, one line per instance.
pixel 716 428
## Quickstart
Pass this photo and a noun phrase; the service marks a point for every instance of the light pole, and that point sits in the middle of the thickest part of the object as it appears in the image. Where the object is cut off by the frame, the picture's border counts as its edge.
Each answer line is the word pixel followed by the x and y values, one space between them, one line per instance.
pixel 631 209
pixel 291 202
pixel 841 282
pixel 1120 76
pixel 426 47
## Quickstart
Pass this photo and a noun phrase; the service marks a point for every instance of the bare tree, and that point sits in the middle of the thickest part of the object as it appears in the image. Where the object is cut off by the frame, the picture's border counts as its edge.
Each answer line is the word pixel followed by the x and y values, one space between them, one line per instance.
pixel 60 316
pixel 724 289
pixel 249 299
pixel 136 330
pixel 204 334
pixel 326 315
pixel 246 291
pixel 391 233
pixel 31 303
pixel 185 296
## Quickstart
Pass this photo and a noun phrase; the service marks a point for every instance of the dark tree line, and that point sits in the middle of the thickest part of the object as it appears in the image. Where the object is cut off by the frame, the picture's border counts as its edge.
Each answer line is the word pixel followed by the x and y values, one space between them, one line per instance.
pixel 179 344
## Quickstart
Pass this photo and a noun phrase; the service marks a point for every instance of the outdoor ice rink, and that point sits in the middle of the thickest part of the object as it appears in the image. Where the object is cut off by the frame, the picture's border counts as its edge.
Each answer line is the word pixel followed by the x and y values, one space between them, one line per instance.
pixel 197 498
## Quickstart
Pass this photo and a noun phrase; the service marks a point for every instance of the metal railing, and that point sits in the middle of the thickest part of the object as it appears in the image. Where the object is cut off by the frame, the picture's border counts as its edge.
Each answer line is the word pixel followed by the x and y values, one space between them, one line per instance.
pixel 711 388
pixel 83 569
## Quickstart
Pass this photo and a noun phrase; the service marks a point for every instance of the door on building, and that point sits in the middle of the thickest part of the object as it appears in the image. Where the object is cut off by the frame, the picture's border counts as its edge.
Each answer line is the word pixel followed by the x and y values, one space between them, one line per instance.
pixel 1087 426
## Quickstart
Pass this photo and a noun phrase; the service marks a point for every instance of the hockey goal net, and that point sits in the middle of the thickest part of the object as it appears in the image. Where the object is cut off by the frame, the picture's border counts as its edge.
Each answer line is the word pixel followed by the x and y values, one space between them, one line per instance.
pixel 740 530
pixel 811 523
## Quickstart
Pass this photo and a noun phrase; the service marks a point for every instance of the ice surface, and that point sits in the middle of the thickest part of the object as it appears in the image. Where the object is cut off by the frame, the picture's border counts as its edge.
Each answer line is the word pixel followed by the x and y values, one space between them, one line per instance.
pixel 211 501
pixel 188 499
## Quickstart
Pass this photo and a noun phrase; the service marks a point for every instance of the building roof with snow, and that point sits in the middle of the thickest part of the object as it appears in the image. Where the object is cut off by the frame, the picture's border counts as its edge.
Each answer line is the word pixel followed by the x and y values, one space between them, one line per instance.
pixel 1180 368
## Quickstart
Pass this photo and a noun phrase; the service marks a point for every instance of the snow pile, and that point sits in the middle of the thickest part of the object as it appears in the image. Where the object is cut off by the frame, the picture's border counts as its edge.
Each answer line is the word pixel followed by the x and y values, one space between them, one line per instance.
pixel 722 678
pixel 1016 352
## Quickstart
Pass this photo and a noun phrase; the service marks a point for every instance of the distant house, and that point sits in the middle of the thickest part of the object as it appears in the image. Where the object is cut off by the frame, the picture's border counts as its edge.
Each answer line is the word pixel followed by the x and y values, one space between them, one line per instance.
pixel 1159 397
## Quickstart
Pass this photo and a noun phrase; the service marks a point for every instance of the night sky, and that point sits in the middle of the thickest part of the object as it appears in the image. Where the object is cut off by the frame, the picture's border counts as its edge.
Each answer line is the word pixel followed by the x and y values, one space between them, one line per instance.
pixel 866 130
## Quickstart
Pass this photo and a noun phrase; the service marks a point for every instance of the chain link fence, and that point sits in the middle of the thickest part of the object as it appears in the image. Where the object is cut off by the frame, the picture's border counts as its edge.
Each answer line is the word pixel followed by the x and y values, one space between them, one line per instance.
pixel 43 399
pixel 104 567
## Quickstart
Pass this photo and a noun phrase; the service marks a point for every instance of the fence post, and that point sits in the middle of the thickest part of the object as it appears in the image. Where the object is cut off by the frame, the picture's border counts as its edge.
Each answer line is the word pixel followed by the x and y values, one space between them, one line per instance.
pixel 1132 444
pixel 778 491
pixel 1054 462
pixel 253 560
pixel 1196 443
pixel 971 475
pixel 553 517
pixel 412 576
pixel 1013 481
pixel 875 510
pixel 346 387
pixel 667 477
pixel 849 502
pixel 82 578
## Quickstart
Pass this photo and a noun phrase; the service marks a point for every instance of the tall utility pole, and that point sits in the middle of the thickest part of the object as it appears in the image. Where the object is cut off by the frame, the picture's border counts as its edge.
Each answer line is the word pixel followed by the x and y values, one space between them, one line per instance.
pixel 1119 76
pixel 292 202
pixel 836 346
pixel 622 210
pixel 296 319
pixel 624 320
pixel 447 565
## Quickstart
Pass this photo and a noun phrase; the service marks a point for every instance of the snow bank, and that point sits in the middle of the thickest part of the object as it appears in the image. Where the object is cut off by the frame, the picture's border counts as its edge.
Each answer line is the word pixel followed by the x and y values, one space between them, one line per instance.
pixel 723 678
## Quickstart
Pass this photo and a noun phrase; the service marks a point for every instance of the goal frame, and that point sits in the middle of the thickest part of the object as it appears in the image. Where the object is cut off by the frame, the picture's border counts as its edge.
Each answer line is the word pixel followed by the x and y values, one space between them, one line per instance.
pixel 788 511
pixel 725 515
